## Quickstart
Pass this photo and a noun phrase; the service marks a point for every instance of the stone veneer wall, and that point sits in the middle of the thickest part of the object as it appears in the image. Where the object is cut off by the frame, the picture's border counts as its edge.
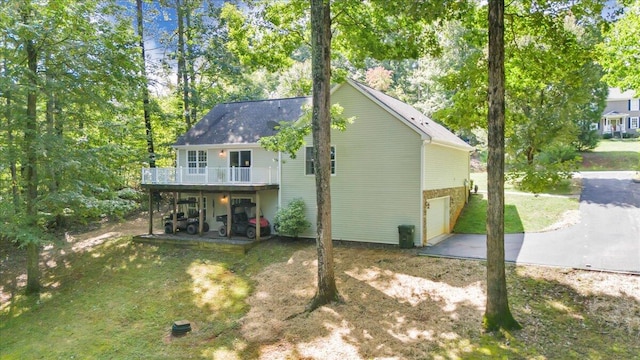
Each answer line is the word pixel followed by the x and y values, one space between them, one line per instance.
pixel 458 198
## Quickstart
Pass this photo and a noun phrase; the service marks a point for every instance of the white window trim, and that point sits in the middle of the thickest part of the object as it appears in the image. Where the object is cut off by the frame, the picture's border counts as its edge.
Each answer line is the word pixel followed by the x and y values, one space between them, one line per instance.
pixel 335 162
pixel 198 169
pixel 239 151
pixel 633 119
pixel 634 105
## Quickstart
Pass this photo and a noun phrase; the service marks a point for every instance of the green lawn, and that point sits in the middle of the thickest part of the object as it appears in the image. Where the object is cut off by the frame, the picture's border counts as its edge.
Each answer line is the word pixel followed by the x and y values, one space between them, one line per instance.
pixel 523 213
pixel 611 155
pixel 609 145
pixel 120 300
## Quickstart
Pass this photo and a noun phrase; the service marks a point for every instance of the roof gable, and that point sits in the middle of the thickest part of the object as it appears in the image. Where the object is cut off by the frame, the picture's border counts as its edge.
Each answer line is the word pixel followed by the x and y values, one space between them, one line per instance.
pixel 413 118
pixel 242 122
pixel 618 94
pixel 247 121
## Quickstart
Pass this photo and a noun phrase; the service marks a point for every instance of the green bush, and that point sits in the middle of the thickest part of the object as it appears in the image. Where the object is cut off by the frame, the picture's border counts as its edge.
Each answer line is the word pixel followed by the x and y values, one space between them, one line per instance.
pixel 558 153
pixel 587 138
pixel 550 169
pixel 291 219
pixel 607 136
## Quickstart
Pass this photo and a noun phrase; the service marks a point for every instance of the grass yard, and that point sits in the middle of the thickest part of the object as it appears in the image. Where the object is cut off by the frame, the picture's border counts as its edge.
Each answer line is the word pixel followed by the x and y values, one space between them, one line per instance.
pixel 113 299
pixel 523 213
pixel 612 155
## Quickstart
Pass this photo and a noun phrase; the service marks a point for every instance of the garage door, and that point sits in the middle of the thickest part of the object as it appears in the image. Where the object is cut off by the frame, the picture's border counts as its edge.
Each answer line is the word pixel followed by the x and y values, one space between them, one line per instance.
pixel 437 217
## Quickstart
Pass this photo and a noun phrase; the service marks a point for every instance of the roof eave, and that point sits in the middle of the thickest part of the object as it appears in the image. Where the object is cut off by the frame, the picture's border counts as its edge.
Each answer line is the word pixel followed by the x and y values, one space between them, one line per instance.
pixel 465 147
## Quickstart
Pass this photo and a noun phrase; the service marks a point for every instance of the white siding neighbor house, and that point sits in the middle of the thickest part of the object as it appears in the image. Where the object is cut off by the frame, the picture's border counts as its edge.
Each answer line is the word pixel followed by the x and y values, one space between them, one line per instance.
pixel 392 166
pixel 622 114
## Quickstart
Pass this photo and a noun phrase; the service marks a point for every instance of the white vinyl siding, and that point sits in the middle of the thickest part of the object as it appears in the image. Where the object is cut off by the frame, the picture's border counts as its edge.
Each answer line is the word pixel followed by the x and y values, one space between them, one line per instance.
pixel 378 183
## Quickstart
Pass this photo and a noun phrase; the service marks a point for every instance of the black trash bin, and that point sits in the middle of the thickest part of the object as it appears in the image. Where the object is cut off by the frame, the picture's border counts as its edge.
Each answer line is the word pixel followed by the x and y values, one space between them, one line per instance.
pixel 405 233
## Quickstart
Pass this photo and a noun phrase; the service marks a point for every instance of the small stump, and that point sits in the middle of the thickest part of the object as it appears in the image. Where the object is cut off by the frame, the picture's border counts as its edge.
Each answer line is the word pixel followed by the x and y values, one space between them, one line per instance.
pixel 180 328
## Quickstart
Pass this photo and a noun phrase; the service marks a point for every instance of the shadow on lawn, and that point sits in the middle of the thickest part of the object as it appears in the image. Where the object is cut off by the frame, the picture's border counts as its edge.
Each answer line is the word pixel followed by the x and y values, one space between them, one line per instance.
pixel 118 300
pixel 609 160
pixel 435 311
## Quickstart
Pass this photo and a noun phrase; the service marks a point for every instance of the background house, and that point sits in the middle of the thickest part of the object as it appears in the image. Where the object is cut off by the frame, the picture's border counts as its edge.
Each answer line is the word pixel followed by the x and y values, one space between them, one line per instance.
pixel 622 114
pixel 393 166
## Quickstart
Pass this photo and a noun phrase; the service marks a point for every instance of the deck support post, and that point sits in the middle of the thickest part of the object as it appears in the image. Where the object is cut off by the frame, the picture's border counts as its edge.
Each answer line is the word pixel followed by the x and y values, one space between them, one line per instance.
pixel 175 212
pixel 258 216
pixel 200 215
pixel 150 212
pixel 229 216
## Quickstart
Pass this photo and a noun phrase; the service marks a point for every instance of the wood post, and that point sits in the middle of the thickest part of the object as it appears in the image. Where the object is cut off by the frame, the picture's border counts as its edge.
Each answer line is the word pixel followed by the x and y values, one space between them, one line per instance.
pixel 229 216
pixel 200 215
pixel 258 216
pixel 175 212
pixel 150 212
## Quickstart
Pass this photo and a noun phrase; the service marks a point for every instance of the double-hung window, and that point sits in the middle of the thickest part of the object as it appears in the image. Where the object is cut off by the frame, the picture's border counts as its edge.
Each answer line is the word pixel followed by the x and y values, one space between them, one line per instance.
pixel 196 161
pixel 309 168
pixel 634 122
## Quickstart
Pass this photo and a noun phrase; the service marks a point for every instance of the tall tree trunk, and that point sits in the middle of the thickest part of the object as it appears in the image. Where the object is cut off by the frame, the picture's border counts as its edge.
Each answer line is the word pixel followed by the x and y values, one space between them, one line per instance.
pixel 182 69
pixel 12 155
pixel 193 95
pixel 31 158
pixel 10 139
pixel 321 128
pixel 145 89
pixel 51 133
pixel 497 314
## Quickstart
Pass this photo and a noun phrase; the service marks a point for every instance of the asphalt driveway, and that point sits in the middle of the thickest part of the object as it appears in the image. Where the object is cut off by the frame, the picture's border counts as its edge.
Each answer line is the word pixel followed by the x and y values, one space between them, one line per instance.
pixel 606 238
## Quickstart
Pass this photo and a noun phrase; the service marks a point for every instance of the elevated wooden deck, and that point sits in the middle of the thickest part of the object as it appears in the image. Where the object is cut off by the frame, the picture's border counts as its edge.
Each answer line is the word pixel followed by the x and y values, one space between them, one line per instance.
pixel 210 241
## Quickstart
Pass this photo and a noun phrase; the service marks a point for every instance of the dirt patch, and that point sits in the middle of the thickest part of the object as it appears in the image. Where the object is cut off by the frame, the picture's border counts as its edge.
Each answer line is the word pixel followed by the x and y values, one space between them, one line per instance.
pixel 568 218
pixel 389 296
pixel 402 306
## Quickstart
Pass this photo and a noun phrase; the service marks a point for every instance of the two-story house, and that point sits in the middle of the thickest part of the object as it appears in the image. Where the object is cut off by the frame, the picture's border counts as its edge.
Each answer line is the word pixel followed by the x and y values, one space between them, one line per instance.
pixel 393 166
pixel 622 114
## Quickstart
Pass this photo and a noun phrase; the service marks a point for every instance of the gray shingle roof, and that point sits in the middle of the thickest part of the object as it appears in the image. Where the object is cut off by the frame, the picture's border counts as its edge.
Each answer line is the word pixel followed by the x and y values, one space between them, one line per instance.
pixel 247 121
pixel 242 122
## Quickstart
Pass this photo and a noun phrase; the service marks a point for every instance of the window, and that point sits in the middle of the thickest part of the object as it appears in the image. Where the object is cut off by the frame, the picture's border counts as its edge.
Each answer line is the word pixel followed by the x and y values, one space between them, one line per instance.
pixel 196 161
pixel 236 201
pixel 308 163
pixel 634 105
pixel 634 122
pixel 240 158
pixel 593 126
pixel 192 206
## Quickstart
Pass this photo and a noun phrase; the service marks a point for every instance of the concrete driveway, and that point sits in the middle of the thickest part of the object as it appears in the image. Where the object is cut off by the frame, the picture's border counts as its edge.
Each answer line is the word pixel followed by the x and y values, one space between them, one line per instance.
pixel 606 238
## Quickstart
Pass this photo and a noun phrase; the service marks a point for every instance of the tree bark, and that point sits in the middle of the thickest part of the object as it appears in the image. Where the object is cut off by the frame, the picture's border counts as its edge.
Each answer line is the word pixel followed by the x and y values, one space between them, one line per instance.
pixel 321 129
pixel 145 88
pixel 497 314
pixel 31 158
pixel 12 153
pixel 193 96
pixel 182 68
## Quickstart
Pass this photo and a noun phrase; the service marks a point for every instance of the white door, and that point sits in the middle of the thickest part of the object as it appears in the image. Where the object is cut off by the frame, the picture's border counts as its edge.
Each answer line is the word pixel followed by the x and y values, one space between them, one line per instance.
pixel 437 217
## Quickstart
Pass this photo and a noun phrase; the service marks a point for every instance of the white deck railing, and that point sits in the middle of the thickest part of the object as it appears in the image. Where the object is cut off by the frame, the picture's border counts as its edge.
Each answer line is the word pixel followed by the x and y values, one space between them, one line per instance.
pixel 211 176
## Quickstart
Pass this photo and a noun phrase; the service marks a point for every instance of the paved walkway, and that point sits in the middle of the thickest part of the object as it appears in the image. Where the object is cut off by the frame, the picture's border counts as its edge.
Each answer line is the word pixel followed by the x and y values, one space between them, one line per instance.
pixel 606 238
